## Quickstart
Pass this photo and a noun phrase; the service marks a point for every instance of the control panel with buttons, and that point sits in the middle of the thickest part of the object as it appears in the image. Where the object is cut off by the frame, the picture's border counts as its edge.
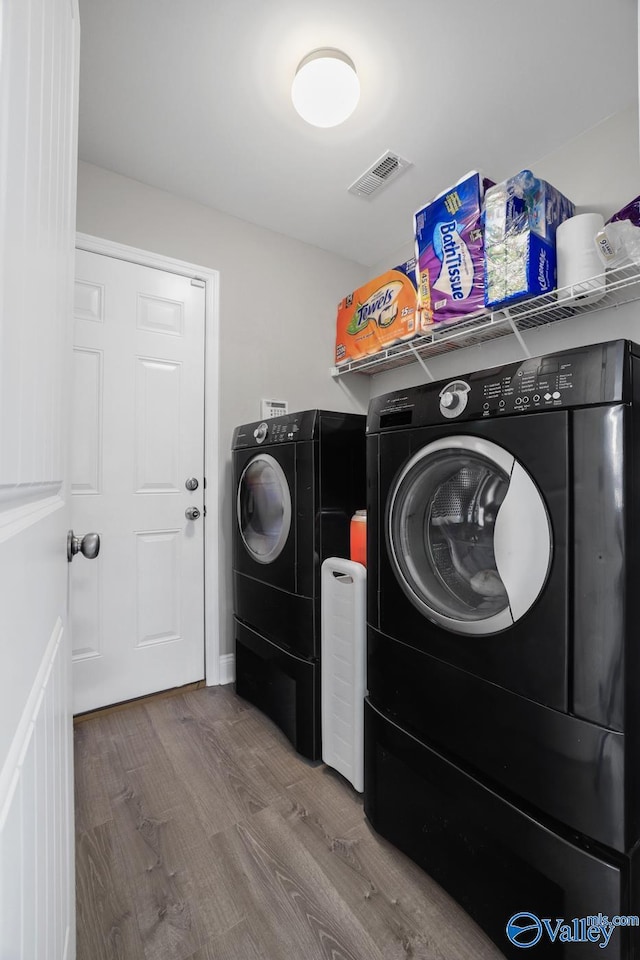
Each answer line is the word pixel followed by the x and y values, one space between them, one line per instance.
pixel 523 389
pixel 578 377
pixel 285 429
pixel 532 386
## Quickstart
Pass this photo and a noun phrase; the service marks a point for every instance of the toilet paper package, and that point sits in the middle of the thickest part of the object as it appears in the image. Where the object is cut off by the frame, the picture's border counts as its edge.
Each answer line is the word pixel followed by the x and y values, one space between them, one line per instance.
pixel 618 241
pixel 520 219
pixel 518 267
pixel 630 212
pixel 382 312
pixel 450 252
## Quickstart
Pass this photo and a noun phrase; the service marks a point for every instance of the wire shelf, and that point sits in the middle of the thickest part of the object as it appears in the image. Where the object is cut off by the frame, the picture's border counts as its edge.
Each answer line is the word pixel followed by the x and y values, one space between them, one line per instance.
pixel 612 289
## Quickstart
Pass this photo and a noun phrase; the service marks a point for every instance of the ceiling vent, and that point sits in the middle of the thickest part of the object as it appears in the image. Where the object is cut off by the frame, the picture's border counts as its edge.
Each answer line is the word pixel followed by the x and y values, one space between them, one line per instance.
pixel 387 168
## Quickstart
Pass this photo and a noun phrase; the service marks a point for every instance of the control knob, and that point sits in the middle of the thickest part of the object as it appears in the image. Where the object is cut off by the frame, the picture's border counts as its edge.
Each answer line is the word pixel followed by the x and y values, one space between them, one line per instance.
pixel 260 432
pixel 453 398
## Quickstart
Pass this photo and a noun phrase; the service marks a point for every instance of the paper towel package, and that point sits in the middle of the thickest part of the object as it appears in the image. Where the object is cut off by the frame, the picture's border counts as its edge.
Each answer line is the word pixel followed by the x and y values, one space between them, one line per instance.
pixel 382 312
pixel 450 252
pixel 520 217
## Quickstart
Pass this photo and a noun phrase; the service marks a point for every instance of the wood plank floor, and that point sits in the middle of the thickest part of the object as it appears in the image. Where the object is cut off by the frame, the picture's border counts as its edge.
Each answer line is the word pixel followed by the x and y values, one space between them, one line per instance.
pixel 202 835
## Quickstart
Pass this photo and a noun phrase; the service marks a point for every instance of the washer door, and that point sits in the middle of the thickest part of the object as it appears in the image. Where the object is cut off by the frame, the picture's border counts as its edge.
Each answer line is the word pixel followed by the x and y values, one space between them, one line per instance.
pixel 469 535
pixel 264 508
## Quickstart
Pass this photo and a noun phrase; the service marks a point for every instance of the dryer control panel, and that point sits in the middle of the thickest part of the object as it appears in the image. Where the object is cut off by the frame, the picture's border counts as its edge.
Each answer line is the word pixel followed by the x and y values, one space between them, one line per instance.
pixel 529 387
pixel 596 374
pixel 284 429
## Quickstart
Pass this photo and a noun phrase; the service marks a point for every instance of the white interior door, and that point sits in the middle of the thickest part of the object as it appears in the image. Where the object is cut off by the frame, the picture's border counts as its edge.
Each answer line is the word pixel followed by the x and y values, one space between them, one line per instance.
pixel 39 43
pixel 137 611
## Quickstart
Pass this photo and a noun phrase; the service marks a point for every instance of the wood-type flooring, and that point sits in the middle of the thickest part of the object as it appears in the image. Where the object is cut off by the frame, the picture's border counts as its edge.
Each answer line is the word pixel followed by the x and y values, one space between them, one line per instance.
pixel 202 835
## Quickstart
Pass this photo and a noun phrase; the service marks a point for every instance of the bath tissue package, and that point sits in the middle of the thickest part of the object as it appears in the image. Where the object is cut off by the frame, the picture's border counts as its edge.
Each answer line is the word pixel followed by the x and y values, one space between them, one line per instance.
pixel 521 216
pixel 450 252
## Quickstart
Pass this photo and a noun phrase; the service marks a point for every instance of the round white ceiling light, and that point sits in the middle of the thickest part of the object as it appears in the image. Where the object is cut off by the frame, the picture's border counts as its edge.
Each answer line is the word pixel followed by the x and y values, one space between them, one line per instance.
pixel 325 89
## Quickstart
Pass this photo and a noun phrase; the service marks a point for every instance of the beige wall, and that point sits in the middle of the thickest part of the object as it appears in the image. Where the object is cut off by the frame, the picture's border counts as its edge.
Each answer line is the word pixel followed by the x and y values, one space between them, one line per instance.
pixel 278 301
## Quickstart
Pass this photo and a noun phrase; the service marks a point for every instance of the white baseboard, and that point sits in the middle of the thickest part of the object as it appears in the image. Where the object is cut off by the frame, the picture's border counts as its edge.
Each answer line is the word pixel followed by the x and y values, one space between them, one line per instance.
pixel 227 668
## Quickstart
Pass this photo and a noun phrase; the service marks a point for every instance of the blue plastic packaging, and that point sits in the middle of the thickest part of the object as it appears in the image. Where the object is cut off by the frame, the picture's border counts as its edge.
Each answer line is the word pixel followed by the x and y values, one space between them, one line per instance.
pixel 521 216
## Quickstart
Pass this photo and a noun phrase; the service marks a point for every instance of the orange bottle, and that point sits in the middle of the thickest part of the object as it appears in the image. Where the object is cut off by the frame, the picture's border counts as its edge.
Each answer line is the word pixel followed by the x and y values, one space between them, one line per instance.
pixel 359 537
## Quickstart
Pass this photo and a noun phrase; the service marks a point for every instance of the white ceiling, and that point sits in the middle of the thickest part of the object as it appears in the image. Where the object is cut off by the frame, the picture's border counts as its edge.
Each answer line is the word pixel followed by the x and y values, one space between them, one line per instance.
pixel 192 96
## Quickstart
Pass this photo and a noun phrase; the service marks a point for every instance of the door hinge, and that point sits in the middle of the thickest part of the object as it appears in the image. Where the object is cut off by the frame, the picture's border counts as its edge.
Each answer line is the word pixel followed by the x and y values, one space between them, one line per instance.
pixel 204 511
pixel 198 283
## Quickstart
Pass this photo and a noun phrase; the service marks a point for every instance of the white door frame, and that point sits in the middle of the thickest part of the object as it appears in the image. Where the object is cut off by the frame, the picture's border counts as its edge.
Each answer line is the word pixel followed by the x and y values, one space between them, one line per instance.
pixel 108 248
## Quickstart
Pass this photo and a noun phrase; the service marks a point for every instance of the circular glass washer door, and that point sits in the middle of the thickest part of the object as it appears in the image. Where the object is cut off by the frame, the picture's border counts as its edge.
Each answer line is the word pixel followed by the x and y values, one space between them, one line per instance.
pixel 264 508
pixel 469 535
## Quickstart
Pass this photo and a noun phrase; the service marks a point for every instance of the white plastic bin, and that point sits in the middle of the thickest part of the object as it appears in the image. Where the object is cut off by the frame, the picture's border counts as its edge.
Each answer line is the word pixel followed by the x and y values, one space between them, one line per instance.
pixel 343 667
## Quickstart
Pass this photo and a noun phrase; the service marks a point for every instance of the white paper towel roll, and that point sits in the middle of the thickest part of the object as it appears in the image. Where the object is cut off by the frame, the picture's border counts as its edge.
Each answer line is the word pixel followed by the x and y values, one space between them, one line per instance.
pixel 580 271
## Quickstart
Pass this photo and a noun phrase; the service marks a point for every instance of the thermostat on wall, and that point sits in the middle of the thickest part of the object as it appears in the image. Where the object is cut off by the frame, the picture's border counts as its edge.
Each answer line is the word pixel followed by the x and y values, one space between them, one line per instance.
pixel 272 408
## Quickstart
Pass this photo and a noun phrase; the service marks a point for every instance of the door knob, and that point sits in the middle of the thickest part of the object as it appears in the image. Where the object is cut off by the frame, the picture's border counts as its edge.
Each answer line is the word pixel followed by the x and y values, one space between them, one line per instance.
pixel 191 483
pixel 88 546
pixel 192 513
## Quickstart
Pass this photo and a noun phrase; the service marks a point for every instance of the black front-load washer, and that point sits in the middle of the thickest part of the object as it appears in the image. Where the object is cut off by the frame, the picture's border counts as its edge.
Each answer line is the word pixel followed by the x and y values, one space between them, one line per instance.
pixel 503 723
pixel 297 481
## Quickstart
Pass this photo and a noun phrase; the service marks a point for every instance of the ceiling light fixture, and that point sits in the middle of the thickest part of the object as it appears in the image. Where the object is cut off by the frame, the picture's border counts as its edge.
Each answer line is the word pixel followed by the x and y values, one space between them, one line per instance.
pixel 325 89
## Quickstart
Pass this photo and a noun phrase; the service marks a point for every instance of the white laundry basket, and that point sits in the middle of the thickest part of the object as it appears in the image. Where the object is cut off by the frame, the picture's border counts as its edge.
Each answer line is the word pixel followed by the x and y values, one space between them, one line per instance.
pixel 343 667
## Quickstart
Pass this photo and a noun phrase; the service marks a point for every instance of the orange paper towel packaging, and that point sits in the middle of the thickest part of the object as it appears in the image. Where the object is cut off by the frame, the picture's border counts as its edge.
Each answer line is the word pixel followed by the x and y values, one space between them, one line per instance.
pixel 378 314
